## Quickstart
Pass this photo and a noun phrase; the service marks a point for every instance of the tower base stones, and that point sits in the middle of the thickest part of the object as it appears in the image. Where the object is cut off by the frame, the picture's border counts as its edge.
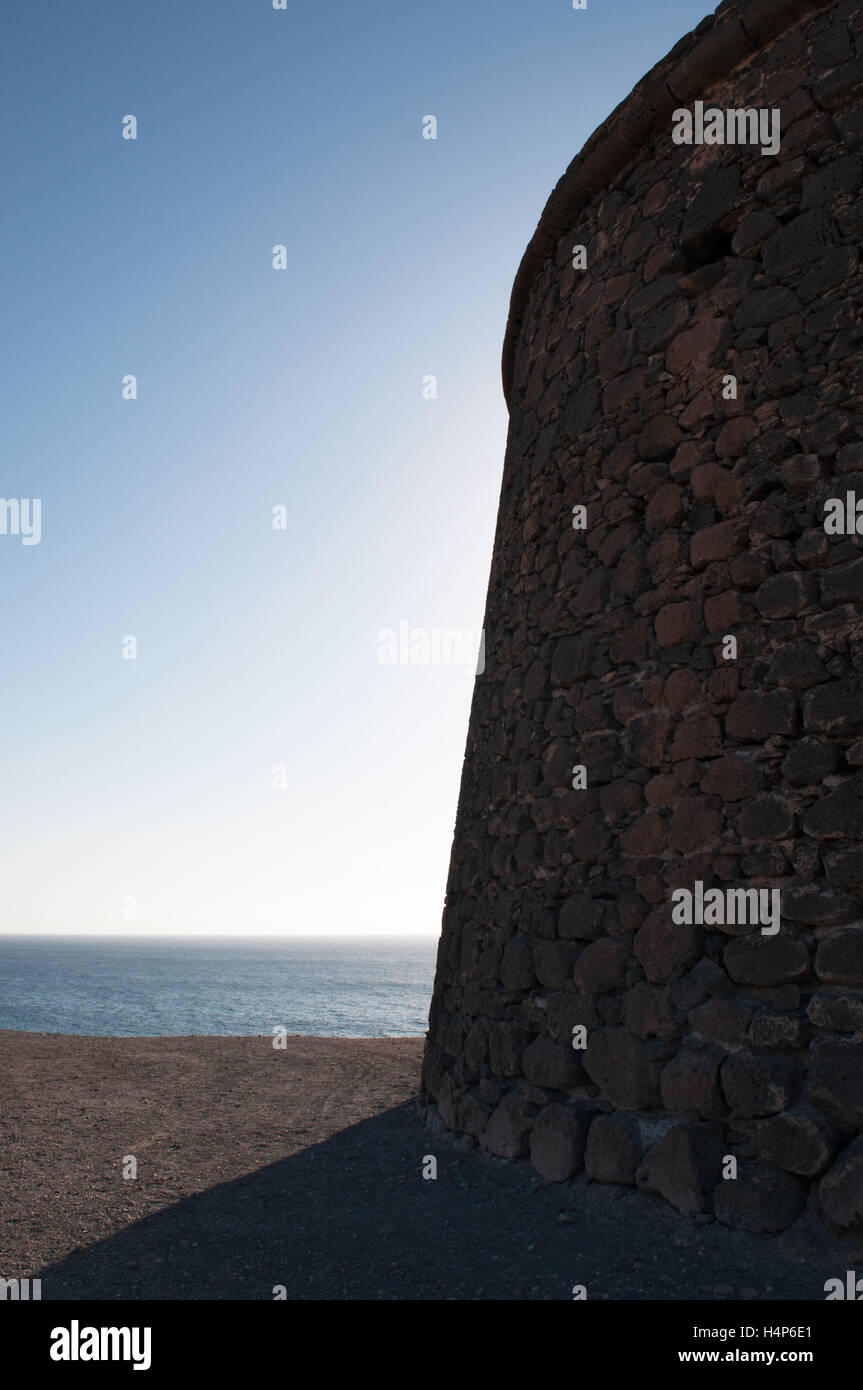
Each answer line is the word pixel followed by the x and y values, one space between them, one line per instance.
pixel 667 736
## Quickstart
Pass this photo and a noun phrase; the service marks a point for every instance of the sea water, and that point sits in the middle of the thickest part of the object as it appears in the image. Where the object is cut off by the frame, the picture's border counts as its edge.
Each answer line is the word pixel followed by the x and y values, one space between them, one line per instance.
pixel 358 987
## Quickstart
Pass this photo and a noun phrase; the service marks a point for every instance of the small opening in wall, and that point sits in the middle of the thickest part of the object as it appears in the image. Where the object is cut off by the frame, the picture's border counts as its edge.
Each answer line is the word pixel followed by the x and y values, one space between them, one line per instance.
pixel 713 247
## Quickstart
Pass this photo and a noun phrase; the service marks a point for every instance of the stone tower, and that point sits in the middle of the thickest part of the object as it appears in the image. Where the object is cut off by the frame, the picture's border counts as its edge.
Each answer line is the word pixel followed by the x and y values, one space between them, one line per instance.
pixel 673 691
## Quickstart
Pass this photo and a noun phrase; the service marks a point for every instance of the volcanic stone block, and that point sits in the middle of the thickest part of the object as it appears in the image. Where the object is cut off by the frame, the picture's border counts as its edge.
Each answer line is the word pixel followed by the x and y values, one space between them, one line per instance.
pixel 762 1198
pixel 837 87
pixel 796 666
pixel 552 1064
pixel 572 660
pixel 843 584
pixel 841 1190
pixel 647 836
pixel 817 905
pixel 565 1010
pixel 845 868
pixel 732 442
pixel 809 761
pixel 838 1009
pixel 675 623
pixel 785 595
pixel 536 919
pixel 614 1149
pixel 473 1115
pixel 697 736
pixel 723 1021
pixel 764 307
pixel 731 778
pixel 757 1084
pixel 778 1030
pixel 665 949
pixel 655 331
pixel 839 958
pixel 766 818
pixel 799 1140
pixel 837 814
pixel 558 1138
pixel 623 1068
pixel 724 612
pixel 714 979
pixel 508 1131
pixel 659 440
pixel 690 1083
pixel 434 1064
pixel 695 824
pixel 645 739
pixel 755 717
pixel 517 968
pixel 719 542
pixel 580 918
pixel 766 960
pixel 476 1045
pixel 582 413
pixel 836 1077
pixel 556 764
pixel 666 507
pixel 447 1100
pixel 684 1166
pixel 617 799
pixel 682 689
pixel 711 211
pixel 554 962
pixel 795 245
pixel 647 1012
pixel 602 966
pixel 835 709
pixel 506 1043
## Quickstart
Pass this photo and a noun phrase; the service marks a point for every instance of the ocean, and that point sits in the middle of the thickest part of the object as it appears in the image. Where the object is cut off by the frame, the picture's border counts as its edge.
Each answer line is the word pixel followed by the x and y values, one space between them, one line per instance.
pixel 350 987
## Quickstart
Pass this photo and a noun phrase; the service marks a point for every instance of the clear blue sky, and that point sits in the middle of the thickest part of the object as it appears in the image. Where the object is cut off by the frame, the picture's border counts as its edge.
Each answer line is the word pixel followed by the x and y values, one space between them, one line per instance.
pixel 257 648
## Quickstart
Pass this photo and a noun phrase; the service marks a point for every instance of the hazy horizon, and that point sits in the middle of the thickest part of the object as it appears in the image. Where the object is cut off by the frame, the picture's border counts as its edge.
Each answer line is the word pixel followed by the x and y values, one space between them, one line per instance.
pixel 204 935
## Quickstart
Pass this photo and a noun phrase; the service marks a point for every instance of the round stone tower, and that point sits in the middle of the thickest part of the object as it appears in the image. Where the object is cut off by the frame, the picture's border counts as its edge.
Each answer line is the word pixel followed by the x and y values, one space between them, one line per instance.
pixel 651 965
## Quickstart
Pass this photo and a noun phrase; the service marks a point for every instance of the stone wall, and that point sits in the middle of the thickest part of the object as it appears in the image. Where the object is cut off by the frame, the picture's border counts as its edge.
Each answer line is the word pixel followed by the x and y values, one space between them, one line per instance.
pixel 697 389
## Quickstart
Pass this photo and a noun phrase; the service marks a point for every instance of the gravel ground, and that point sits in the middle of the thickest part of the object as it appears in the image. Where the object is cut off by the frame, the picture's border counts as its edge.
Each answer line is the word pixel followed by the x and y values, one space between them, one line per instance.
pixel 302 1168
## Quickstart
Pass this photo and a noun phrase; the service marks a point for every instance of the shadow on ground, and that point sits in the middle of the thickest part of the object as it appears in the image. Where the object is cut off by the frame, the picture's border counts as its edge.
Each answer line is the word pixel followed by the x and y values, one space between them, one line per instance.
pixel 353 1218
